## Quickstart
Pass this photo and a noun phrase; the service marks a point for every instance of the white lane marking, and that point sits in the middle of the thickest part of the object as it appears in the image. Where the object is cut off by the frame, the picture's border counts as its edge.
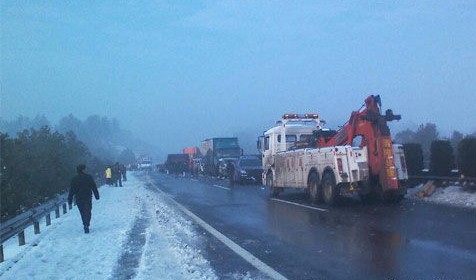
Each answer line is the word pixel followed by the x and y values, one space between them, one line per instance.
pixel 254 261
pixel 302 205
pixel 221 187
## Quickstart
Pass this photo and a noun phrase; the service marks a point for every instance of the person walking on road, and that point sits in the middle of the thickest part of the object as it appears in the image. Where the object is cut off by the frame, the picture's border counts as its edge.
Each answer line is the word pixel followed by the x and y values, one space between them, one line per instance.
pixel 117 174
pixel 108 175
pixel 230 170
pixel 123 171
pixel 82 188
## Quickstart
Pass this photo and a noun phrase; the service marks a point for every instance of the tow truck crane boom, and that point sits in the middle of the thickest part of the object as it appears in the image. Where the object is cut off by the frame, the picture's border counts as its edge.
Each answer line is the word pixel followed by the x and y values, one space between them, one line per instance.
pixel 372 127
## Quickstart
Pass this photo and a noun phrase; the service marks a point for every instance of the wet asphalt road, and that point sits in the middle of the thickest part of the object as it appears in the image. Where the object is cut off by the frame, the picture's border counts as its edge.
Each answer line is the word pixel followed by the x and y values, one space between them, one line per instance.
pixel 412 240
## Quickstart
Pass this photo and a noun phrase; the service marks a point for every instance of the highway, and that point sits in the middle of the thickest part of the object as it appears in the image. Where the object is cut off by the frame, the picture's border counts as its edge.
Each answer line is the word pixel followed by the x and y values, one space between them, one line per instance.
pixel 289 237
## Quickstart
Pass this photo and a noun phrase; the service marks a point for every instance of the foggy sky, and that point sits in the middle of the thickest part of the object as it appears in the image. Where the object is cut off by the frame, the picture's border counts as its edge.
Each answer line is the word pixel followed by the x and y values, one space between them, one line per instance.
pixel 175 73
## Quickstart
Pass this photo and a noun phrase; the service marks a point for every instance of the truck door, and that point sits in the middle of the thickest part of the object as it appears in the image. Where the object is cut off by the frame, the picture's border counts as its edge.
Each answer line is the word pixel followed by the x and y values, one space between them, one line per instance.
pixel 300 170
pixel 281 170
pixel 266 153
pixel 291 170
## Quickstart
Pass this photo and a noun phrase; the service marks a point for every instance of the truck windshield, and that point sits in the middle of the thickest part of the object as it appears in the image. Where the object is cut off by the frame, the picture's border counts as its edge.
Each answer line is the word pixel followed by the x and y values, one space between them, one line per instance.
pixel 305 137
pixel 233 152
pixel 291 138
pixel 226 143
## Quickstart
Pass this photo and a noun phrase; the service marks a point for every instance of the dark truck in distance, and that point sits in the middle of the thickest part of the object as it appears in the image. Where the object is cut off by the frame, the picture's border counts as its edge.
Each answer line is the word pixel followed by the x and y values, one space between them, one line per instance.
pixel 214 149
pixel 177 163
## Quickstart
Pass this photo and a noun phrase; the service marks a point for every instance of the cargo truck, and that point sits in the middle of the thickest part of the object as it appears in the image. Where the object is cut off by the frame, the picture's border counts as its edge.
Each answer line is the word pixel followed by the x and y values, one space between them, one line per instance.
pixel 213 149
pixel 177 163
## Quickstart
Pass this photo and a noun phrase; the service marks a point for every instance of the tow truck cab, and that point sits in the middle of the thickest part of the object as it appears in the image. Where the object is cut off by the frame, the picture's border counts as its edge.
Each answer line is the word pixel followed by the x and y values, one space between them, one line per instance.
pixel 291 130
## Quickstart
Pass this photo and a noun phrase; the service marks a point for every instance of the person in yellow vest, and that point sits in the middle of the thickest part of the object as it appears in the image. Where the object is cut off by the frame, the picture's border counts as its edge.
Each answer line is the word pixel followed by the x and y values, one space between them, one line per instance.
pixel 108 175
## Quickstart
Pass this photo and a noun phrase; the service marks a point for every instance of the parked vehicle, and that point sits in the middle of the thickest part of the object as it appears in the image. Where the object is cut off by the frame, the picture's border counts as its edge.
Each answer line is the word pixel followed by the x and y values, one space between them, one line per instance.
pixel 193 153
pixel 224 165
pixel 214 149
pixel 177 163
pixel 247 169
pixel 144 163
pixel 197 166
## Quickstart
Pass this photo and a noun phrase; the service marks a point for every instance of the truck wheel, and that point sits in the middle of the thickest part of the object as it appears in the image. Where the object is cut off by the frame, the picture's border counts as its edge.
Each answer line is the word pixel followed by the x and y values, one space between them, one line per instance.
pixel 313 187
pixel 329 189
pixel 269 183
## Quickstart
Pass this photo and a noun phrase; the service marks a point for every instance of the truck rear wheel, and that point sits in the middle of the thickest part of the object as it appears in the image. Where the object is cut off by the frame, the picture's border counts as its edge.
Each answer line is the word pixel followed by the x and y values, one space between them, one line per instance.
pixel 313 187
pixel 329 189
pixel 269 183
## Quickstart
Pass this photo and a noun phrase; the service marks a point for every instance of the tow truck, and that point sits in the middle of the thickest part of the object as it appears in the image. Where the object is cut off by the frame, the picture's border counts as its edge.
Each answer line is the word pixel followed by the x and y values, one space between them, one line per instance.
pixel 359 158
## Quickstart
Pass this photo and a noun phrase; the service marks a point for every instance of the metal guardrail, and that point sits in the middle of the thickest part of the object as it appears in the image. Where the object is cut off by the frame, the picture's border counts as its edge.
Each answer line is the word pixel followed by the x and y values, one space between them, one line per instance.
pixel 18 224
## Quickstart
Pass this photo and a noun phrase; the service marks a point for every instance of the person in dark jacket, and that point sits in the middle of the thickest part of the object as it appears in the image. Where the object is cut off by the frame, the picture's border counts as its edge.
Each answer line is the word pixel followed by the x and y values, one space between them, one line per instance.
pixel 82 188
pixel 117 174
pixel 230 170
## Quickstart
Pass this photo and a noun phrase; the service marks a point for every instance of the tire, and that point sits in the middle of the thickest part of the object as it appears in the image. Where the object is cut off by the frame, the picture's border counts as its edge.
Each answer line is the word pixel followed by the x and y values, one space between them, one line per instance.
pixel 330 191
pixel 273 191
pixel 313 186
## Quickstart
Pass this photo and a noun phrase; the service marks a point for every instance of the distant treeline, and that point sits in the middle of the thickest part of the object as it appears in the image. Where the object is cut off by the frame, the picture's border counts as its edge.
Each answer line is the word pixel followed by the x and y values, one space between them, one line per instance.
pixel 103 136
pixel 37 165
pixel 424 149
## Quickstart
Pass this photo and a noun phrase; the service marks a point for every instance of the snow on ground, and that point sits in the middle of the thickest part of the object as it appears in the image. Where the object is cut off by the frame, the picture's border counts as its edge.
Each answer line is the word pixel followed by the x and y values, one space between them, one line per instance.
pixel 132 225
pixel 451 195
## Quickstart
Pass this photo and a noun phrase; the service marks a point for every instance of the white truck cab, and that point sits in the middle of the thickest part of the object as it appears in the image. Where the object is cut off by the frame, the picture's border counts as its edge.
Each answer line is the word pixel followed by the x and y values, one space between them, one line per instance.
pixel 289 131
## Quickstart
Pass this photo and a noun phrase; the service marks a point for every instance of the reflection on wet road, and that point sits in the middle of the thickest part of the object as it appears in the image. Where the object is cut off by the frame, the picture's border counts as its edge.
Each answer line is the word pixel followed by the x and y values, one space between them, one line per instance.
pixel 350 241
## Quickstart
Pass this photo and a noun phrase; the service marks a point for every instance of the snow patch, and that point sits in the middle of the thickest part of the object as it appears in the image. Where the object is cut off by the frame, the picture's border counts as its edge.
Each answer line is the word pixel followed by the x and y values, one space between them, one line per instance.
pixel 171 249
pixel 451 195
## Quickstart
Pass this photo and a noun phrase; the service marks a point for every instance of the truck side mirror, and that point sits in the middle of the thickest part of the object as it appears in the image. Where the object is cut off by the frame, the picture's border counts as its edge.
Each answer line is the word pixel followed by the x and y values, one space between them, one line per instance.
pixel 259 143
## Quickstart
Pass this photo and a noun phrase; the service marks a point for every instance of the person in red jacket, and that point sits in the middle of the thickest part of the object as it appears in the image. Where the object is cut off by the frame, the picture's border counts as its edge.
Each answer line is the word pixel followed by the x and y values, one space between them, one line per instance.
pixel 82 188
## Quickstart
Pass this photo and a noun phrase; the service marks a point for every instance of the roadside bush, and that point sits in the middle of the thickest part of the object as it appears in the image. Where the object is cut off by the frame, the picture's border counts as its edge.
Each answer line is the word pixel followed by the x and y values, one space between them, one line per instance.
pixel 441 158
pixel 414 158
pixel 467 157
pixel 36 166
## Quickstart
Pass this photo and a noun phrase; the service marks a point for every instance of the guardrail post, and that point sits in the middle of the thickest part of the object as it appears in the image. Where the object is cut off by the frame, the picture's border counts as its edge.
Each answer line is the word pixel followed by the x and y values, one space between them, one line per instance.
pixel 48 219
pixel 2 258
pixel 36 225
pixel 57 212
pixel 64 208
pixel 21 238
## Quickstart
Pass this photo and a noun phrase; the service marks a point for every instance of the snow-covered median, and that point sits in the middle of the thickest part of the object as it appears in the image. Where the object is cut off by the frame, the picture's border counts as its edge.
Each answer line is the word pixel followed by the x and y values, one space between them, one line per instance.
pixel 121 217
